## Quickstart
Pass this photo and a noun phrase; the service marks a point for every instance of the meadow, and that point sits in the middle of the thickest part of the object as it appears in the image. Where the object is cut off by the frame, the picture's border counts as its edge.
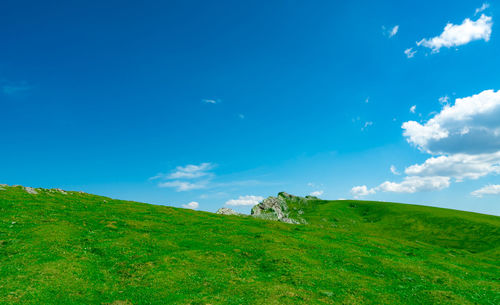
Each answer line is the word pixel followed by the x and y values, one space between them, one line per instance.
pixel 77 248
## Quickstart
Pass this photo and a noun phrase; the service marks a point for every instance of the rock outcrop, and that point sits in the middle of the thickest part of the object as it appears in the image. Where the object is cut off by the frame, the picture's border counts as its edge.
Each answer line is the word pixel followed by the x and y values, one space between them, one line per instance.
pixel 227 211
pixel 30 190
pixel 274 208
pixel 60 191
pixel 278 208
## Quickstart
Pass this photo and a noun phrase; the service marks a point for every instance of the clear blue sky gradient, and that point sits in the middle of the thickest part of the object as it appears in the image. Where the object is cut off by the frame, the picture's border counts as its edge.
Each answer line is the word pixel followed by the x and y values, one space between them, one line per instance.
pixel 100 96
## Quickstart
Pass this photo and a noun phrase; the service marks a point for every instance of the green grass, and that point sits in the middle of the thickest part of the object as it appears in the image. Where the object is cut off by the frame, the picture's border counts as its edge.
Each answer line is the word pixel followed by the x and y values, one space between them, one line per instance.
pixel 86 249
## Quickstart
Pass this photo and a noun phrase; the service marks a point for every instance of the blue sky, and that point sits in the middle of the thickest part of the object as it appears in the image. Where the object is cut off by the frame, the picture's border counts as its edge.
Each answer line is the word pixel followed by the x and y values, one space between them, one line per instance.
pixel 222 103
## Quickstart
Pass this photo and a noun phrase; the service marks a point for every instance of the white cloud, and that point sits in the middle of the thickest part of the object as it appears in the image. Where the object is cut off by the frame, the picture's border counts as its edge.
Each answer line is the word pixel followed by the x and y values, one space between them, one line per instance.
pixel 458 166
pixel 210 101
pixel 194 177
pixel 414 184
pixel 410 52
pixel 193 205
pixel 464 139
pixel 390 32
pixel 191 171
pixel 394 31
pixel 362 190
pixel 245 200
pixel 394 170
pixel 456 35
pixel 471 125
pixel 316 193
pixel 411 184
pixel 483 7
pixel 492 189
pixel 182 186
pixel 413 108
pixel 444 100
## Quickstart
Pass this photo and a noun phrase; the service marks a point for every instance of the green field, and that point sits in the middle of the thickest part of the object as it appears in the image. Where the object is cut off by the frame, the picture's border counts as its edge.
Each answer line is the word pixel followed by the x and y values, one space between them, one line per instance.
pixel 78 248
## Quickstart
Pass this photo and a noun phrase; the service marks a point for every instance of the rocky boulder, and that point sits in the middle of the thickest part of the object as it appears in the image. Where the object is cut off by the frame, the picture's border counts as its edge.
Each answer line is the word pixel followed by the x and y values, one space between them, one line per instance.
pixel 274 208
pixel 30 190
pixel 226 211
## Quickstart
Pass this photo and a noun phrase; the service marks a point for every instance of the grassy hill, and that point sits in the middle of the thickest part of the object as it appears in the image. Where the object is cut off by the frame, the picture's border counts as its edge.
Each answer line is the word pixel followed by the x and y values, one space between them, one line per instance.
pixel 77 248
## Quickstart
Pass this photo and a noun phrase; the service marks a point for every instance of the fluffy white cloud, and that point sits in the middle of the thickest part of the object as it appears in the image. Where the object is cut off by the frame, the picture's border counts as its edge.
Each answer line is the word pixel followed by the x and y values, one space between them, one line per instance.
pixel 191 171
pixel 458 166
pixel 464 139
pixel 492 189
pixel 483 7
pixel 413 108
pixel 193 205
pixel 182 186
pixel 456 35
pixel 410 184
pixel 245 200
pixel 394 170
pixel 410 52
pixel 362 190
pixel 317 193
pixel 413 184
pixel 210 101
pixel 471 125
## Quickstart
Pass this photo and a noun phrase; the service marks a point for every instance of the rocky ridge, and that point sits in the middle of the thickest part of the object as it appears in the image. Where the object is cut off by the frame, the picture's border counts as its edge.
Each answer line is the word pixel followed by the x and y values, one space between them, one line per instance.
pixel 34 191
pixel 276 208
pixel 227 211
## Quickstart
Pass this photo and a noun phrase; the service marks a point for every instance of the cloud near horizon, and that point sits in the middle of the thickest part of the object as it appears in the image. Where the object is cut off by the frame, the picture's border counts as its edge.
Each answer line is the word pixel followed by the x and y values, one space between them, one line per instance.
pixel 463 139
pixel 245 200
pixel 182 186
pixel 492 189
pixel 193 205
pixel 317 193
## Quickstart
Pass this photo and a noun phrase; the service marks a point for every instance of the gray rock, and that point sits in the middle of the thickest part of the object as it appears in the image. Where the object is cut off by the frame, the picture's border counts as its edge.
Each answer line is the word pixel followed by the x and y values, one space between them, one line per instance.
pixel 226 211
pixel 30 190
pixel 274 208
pixel 60 191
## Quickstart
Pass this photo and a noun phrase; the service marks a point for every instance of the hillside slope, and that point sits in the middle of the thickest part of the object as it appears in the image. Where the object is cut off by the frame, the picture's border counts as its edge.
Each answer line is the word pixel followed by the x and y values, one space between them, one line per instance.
pixel 76 248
